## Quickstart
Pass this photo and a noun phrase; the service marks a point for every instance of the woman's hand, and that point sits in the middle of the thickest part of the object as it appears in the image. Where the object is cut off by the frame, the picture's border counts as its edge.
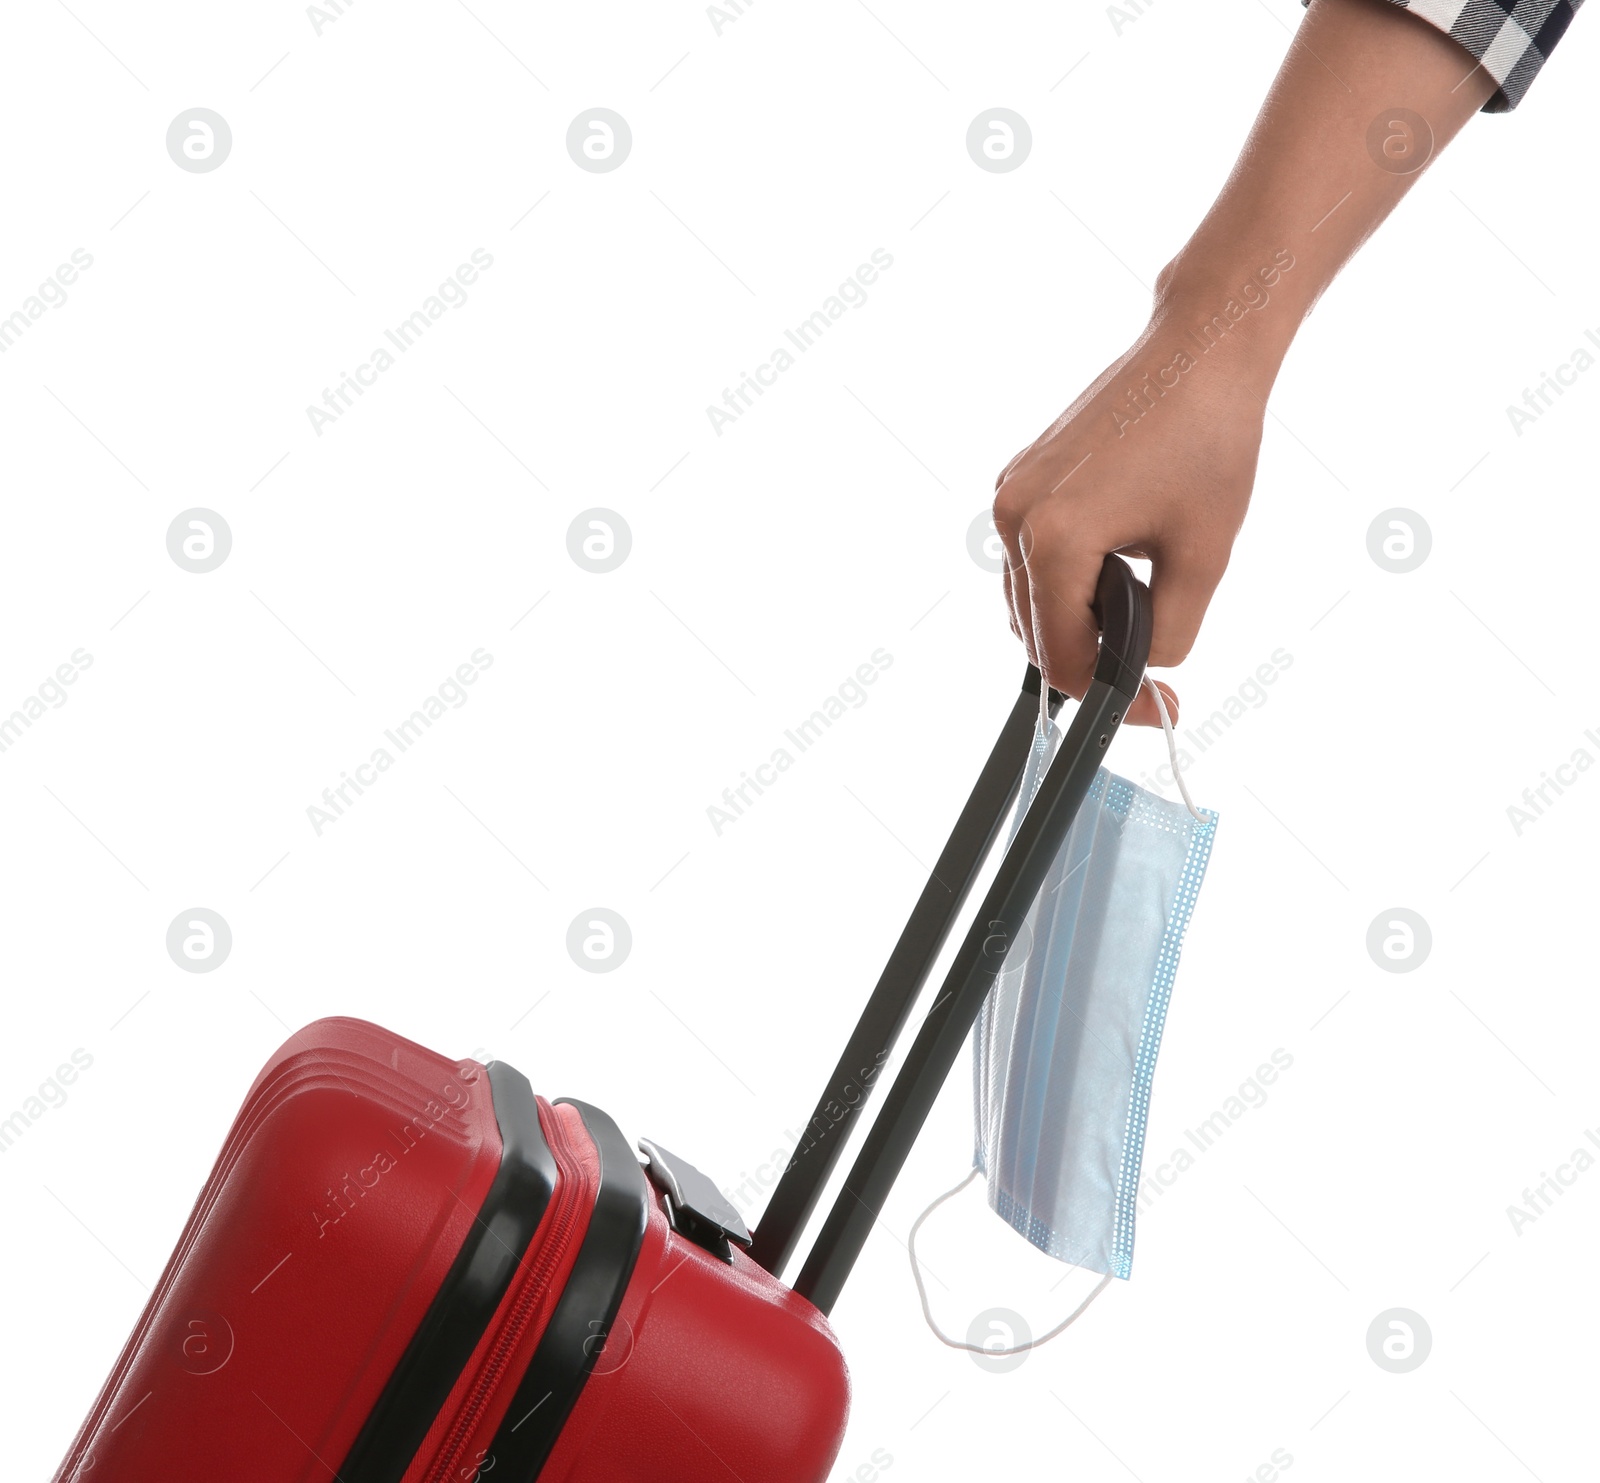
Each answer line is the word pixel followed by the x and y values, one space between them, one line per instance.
pixel 1158 456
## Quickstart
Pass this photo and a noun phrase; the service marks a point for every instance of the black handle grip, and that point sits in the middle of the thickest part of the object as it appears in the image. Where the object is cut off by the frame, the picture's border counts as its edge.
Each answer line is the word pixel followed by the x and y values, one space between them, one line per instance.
pixel 1122 604
pixel 1127 621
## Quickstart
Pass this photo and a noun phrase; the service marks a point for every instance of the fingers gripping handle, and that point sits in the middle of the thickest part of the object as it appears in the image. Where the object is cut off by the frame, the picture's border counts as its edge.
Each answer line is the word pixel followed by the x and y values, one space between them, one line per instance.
pixel 1126 619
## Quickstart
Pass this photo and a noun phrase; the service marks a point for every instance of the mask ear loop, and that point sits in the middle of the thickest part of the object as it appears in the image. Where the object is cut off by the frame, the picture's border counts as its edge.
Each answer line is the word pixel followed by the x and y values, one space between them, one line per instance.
pixel 1166 728
pixel 1172 749
pixel 927 1312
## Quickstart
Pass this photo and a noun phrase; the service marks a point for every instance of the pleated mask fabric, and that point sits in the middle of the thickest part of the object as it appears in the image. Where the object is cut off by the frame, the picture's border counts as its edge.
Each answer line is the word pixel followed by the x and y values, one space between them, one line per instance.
pixel 1065 1049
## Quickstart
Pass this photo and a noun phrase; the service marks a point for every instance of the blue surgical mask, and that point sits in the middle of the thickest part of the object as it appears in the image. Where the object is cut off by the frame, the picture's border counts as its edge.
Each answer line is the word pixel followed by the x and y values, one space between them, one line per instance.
pixel 1065 1049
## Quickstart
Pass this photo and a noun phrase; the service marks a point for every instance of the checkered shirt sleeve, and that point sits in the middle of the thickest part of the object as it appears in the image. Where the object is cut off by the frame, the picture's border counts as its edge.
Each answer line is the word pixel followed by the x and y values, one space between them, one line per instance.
pixel 1512 39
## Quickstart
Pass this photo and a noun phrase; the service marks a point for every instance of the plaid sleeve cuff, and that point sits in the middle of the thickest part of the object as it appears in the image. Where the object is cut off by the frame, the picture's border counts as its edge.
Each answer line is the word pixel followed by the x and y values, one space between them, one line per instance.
pixel 1512 39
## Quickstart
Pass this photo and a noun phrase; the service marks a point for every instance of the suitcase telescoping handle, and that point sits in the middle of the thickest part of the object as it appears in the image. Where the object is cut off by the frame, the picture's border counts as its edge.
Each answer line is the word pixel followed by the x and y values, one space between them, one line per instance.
pixel 1122 608
pixel 795 1198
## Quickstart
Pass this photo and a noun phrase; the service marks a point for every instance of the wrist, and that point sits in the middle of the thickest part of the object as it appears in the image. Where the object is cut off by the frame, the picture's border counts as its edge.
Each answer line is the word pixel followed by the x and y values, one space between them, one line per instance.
pixel 1242 309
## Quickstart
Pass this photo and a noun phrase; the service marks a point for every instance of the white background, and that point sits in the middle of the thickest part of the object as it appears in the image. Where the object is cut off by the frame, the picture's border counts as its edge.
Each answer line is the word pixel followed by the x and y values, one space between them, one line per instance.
pixel 767 564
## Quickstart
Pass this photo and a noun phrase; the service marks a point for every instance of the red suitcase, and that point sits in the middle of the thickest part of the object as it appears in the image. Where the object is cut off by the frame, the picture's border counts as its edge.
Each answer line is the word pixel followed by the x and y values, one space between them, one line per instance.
pixel 407 1269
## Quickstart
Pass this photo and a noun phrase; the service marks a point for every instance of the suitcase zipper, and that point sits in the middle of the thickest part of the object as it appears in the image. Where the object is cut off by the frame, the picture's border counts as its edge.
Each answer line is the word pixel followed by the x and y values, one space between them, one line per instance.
pixel 569 1197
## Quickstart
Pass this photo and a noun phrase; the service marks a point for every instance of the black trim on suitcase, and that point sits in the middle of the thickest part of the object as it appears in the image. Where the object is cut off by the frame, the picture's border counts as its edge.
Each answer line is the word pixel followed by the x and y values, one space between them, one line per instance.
pixel 578 1329
pixel 1122 606
pixel 471 1292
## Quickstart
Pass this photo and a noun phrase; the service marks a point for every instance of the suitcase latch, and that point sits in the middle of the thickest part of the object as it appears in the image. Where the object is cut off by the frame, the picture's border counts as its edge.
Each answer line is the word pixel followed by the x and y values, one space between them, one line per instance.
pixel 695 1206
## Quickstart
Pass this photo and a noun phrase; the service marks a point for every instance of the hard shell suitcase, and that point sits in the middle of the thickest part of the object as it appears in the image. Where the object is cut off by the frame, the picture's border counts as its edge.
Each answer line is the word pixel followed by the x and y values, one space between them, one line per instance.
pixel 408 1269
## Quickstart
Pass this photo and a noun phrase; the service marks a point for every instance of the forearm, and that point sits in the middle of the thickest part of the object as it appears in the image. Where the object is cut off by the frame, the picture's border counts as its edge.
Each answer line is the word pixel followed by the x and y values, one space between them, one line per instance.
pixel 1366 96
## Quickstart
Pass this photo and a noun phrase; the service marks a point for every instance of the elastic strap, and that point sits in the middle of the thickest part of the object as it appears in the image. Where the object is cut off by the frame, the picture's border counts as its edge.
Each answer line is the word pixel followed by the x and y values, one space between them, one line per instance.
pixel 1172 749
pixel 1166 727
pixel 927 1312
